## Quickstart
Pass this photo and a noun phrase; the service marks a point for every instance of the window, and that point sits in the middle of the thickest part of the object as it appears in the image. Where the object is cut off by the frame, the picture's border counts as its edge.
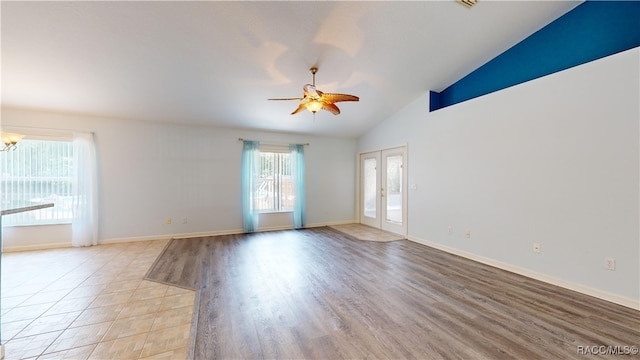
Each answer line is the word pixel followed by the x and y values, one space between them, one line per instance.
pixel 275 190
pixel 37 172
pixel 272 181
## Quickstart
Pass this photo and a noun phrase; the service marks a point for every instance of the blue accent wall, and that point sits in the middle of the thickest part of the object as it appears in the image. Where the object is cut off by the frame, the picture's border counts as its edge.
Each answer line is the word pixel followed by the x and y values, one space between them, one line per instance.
pixel 592 30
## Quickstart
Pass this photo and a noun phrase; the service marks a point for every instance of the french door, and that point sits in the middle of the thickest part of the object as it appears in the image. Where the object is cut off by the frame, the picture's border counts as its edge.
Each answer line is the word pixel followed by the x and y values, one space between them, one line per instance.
pixel 383 200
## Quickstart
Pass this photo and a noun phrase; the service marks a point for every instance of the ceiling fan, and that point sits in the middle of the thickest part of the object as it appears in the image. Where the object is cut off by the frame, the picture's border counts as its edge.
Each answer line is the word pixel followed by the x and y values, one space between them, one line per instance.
pixel 315 99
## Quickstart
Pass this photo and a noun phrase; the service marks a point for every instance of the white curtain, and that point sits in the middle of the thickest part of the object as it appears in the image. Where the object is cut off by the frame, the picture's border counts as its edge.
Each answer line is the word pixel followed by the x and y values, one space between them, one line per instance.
pixel 85 191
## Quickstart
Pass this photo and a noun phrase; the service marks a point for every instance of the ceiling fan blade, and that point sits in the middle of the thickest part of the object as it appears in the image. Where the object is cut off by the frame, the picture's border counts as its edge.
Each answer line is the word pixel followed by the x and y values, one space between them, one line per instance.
pixel 299 99
pixel 333 98
pixel 331 108
pixel 300 108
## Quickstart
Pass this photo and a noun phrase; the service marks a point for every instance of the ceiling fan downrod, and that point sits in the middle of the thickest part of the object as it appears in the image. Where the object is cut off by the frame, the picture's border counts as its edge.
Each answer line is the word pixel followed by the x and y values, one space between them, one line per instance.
pixel 314 70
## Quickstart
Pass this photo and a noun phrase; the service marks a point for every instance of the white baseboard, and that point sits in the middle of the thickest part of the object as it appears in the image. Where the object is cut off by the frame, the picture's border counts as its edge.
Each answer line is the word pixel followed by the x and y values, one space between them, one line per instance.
pixel 332 223
pixel 262 229
pixel 212 233
pixel 207 233
pixel 273 228
pixel 36 247
pixel 169 236
pixel 134 239
pixel 600 294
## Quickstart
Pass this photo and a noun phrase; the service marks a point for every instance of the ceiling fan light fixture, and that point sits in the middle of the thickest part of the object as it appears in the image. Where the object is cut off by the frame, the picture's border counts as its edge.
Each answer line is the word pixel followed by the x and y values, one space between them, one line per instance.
pixel 313 106
pixel 10 140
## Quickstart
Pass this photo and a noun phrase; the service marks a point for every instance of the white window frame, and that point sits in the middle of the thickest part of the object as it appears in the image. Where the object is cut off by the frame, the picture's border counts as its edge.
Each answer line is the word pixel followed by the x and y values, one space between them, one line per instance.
pixel 278 179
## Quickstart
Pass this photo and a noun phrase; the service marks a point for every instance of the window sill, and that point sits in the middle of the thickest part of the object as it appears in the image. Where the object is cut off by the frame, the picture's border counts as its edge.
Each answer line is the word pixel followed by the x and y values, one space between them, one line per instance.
pixel 35 225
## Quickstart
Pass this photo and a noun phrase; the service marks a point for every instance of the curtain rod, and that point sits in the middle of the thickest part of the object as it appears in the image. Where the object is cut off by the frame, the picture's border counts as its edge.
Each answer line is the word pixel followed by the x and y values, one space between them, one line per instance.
pixel 271 143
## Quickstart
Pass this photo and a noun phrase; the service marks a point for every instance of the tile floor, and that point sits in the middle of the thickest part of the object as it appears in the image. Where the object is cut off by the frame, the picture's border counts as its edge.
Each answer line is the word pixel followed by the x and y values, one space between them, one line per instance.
pixel 92 303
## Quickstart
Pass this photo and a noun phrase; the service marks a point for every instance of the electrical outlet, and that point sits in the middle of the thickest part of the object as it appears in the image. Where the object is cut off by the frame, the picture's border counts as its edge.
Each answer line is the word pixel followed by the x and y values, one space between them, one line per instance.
pixel 184 220
pixel 168 221
pixel 609 263
pixel 537 248
pixel 467 234
pixel 450 230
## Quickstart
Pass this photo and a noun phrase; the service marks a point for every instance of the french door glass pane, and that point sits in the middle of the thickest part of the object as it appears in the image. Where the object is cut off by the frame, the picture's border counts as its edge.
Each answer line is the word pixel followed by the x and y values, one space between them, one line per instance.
pixel 370 188
pixel 394 189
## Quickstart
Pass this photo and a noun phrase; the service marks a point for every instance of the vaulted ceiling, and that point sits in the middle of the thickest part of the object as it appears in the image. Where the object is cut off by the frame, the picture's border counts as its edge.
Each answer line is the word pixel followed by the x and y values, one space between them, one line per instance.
pixel 217 63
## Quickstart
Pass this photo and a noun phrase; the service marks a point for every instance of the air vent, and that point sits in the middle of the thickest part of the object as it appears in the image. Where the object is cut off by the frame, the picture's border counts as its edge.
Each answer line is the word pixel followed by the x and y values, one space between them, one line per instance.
pixel 468 3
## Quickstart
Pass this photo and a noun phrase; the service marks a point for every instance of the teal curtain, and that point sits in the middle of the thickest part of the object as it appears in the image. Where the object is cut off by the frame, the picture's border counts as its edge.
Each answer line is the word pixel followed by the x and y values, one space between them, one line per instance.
pixel 297 169
pixel 250 166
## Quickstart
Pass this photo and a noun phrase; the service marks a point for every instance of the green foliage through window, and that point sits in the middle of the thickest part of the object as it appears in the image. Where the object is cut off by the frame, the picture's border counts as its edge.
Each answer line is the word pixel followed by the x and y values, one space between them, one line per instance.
pixel 275 185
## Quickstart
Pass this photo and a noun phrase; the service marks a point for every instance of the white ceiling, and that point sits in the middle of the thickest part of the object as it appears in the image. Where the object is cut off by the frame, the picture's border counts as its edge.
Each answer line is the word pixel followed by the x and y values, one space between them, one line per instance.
pixel 216 63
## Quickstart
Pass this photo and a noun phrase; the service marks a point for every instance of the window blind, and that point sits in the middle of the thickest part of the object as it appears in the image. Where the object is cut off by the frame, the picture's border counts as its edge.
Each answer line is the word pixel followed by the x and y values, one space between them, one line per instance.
pixel 37 172
pixel 275 187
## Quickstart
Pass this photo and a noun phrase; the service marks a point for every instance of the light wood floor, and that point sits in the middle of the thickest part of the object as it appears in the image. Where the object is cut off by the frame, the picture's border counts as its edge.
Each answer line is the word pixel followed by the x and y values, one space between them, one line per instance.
pixel 319 293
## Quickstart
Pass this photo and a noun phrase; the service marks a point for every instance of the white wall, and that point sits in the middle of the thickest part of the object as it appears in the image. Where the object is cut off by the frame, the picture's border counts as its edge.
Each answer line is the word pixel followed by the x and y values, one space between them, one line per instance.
pixel 150 171
pixel 553 161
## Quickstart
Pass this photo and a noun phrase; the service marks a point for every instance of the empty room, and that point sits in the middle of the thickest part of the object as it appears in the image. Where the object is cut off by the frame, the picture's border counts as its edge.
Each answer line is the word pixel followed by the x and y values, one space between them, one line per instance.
pixel 455 179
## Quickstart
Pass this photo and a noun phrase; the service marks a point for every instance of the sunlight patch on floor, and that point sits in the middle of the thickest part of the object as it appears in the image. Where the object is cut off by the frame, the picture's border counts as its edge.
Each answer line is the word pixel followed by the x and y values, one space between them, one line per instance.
pixel 368 233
